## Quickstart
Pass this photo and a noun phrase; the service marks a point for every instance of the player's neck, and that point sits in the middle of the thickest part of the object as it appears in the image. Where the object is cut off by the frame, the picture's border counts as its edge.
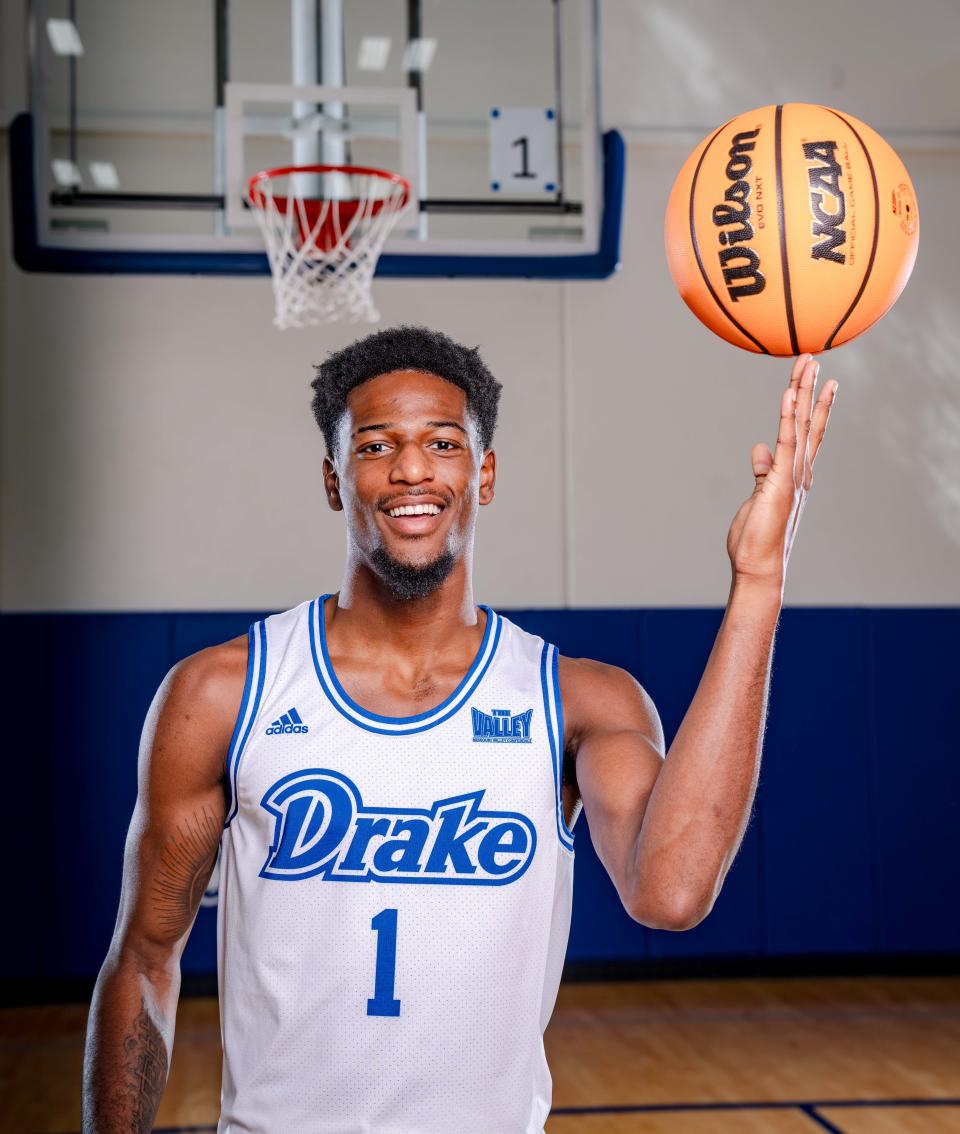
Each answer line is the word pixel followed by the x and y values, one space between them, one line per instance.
pixel 364 616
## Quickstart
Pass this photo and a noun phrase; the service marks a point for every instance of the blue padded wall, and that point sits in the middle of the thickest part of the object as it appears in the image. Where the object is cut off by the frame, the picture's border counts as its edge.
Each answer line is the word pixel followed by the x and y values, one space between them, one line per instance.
pixel 851 849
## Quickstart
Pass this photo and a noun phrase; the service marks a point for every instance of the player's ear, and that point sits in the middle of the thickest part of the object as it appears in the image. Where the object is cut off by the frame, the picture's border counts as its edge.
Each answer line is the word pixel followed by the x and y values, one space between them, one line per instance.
pixel 331 485
pixel 488 476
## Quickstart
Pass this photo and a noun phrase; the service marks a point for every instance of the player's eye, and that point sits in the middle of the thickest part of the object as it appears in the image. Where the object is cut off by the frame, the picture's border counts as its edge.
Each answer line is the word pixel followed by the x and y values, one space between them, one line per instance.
pixel 443 441
pixel 370 446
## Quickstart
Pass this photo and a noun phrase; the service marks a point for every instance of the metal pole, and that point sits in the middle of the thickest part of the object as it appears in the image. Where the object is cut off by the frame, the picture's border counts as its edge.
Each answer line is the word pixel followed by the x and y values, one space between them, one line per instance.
pixel 72 70
pixel 558 90
pixel 415 80
pixel 415 31
pixel 221 41
pixel 332 75
pixel 304 24
pixel 222 51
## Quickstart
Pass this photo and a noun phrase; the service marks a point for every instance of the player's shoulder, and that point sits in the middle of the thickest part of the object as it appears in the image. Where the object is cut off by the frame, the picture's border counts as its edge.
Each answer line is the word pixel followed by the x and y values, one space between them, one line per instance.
pixel 211 680
pixel 586 676
pixel 598 694
pixel 188 727
pixel 215 677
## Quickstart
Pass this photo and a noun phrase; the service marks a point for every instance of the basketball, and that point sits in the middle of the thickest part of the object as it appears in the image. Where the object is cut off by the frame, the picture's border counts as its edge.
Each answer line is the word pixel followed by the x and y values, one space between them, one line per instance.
pixel 791 228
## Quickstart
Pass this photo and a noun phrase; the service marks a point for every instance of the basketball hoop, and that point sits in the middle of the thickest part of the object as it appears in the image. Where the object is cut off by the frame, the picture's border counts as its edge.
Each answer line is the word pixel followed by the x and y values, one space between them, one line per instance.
pixel 324 235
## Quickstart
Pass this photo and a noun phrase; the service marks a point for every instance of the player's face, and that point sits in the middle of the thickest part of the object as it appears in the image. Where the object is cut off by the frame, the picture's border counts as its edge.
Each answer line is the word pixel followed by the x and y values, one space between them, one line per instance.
pixel 408 440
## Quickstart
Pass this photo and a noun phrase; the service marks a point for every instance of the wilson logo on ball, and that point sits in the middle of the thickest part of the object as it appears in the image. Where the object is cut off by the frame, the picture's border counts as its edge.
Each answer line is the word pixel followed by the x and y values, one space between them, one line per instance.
pixel 824 181
pixel 736 210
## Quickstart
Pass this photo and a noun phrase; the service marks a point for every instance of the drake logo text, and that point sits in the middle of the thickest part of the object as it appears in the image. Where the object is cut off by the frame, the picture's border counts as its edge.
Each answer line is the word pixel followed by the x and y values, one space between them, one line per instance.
pixel 324 829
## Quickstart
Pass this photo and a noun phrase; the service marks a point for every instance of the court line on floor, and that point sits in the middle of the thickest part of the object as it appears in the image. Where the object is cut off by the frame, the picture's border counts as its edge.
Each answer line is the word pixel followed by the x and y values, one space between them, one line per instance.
pixel 772 1104
pixel 808 1107
pixel 822 1122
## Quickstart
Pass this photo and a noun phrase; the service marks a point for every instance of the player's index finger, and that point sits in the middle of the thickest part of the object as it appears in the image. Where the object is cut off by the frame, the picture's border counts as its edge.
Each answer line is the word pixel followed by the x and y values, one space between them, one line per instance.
pixel 798 366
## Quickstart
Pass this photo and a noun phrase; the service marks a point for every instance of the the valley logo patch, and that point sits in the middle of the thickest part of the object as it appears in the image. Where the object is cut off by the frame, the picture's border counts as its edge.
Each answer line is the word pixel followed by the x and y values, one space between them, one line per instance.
pixel 501 726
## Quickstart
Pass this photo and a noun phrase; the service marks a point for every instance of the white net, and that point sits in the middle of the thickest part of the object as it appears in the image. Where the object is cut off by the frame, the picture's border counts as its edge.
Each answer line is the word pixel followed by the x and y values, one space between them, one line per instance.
pixel 323 246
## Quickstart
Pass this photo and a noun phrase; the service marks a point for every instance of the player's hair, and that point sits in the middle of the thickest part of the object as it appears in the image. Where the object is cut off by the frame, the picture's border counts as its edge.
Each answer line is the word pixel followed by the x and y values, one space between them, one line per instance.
pixel 404 347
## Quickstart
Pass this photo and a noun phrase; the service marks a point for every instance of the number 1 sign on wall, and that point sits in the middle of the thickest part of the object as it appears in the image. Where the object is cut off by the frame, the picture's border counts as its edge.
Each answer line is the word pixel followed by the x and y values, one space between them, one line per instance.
pixel 523 150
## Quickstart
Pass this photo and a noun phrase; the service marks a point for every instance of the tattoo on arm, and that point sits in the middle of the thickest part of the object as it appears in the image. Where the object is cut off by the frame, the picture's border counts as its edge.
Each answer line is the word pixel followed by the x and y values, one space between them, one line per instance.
pixel 145 1070
pixel 187 861
pixel 121 1092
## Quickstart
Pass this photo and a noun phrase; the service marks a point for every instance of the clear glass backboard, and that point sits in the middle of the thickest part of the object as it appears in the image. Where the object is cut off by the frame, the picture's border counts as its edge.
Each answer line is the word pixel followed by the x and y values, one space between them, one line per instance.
pixel 148 119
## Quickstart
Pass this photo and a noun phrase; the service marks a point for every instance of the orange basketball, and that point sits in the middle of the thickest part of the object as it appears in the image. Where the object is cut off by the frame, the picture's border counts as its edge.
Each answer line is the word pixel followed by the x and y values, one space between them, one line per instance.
pixel 791 228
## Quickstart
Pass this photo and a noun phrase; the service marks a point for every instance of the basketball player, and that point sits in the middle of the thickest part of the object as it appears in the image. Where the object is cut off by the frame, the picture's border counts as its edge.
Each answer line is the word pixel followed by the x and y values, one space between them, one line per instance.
pixel 392 773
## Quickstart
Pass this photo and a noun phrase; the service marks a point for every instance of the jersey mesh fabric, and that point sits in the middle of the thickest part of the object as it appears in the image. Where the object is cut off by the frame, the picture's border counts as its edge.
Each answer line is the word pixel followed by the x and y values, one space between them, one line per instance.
pixel 477 958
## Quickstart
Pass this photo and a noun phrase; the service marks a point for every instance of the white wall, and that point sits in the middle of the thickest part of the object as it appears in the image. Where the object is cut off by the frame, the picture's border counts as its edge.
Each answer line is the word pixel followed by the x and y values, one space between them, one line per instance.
pixel 158 450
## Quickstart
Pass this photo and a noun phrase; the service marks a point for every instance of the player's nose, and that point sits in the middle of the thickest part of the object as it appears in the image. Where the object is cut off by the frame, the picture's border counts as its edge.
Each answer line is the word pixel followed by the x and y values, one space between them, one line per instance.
pixel 410 465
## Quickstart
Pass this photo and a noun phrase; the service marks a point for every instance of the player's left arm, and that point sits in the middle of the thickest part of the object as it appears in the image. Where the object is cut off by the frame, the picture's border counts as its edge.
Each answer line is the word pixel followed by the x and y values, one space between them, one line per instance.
pixel 668 825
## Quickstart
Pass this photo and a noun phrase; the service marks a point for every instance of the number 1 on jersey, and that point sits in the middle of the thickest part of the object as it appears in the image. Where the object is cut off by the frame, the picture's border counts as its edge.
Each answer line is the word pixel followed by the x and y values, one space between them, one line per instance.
pixel 384 1002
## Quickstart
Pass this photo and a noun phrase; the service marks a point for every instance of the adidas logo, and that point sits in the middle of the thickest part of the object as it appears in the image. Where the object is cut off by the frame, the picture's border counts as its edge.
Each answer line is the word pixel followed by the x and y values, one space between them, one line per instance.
pixel 289 722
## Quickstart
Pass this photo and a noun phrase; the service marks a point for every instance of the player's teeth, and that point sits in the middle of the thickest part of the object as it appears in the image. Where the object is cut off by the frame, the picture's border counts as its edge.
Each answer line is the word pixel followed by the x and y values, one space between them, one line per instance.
pixel 416 510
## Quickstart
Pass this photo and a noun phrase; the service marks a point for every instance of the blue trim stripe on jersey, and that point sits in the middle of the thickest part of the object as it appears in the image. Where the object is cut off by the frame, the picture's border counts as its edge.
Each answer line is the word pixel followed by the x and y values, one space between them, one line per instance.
pixel 553 710
pixel 560 734
pixel 398 726
pixel 249 706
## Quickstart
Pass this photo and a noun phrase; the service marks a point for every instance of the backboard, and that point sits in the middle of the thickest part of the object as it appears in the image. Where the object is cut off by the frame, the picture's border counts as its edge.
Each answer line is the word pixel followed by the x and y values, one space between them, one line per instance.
pixel 147 121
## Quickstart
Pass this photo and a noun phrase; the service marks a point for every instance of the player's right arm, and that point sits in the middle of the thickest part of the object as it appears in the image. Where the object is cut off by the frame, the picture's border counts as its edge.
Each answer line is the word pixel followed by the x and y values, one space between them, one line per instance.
pixel 170 852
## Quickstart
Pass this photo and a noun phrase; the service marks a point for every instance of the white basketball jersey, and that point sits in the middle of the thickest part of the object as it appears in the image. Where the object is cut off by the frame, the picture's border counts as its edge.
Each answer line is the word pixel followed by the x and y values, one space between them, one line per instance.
pixel 395 895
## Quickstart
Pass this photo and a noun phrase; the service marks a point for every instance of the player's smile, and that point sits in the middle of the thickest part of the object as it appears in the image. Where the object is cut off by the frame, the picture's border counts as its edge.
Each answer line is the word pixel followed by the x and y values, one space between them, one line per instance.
pixel 401 514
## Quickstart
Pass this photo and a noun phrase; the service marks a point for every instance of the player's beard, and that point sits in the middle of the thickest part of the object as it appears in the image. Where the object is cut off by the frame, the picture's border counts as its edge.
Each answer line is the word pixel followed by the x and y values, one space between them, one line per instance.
pixel 409 580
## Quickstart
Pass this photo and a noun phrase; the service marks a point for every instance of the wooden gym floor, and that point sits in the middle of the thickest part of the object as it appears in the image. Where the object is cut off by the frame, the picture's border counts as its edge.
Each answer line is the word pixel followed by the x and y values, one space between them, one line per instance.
pixel 785 1056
